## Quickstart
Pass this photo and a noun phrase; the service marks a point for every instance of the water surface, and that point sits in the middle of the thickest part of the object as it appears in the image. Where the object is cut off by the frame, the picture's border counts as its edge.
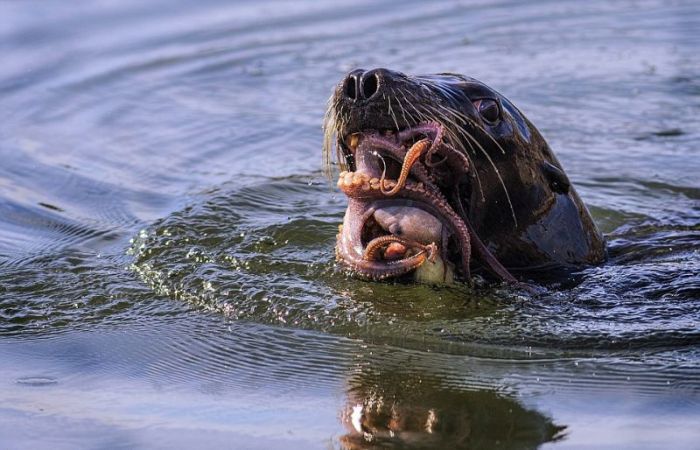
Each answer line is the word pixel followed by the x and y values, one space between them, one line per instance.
pixel 166 236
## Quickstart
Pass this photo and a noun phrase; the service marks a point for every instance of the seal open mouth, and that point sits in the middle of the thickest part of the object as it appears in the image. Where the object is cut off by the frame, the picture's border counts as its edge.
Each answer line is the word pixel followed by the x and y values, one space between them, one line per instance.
pixel 397 219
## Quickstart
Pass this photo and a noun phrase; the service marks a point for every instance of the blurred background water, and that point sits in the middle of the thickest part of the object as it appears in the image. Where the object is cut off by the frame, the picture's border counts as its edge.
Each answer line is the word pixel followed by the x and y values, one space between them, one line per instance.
pixel 166 236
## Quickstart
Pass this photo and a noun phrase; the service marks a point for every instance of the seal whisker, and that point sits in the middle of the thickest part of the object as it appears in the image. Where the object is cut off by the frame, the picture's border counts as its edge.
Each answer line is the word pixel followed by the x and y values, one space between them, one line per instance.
pixel 475 172
pixel 403 111
pixel 436 115
pixel 450 129
pixel 329 130
pixel 393 116
pixel 416 120
pixel 420 115
pixel 498 174
pixel 475 124
pixel 463 132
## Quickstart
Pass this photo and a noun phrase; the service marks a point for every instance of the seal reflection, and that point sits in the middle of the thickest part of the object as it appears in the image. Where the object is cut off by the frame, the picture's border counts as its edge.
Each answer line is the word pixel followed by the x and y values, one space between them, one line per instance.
pixel 390 407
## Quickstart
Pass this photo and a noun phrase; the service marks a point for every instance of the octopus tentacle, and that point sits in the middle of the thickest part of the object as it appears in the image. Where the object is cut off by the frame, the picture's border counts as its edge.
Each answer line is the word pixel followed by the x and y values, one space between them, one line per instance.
pixel 376 260
pixel 399 154
pixel 435 132
pixel 357 185
pixel 437 143
pixel 432 130
pixel 376 244
pixel 486 256
pixel 413 154
pixel 376 270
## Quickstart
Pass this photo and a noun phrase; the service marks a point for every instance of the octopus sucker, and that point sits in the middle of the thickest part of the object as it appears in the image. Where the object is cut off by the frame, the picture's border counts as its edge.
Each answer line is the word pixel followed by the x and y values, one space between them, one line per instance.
pixel 376 245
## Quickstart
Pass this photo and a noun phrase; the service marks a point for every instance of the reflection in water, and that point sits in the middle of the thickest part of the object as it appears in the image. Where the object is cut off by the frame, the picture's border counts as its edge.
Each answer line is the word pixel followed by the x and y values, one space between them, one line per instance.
pixel 399 408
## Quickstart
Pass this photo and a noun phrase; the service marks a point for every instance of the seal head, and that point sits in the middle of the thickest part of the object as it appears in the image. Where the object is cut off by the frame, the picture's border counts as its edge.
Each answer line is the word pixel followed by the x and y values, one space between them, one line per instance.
pixel 442 169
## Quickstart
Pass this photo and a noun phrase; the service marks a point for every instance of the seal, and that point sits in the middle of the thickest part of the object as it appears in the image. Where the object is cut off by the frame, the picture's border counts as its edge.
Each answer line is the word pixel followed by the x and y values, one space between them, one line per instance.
pixel 446 177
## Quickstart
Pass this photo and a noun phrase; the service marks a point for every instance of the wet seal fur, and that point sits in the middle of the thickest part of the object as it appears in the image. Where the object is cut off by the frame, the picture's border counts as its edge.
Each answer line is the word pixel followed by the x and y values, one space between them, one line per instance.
pixel 471 159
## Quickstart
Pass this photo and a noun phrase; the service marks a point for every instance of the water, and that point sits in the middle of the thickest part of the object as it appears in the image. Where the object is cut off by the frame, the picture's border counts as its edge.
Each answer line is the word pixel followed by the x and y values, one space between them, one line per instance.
pixel 166 236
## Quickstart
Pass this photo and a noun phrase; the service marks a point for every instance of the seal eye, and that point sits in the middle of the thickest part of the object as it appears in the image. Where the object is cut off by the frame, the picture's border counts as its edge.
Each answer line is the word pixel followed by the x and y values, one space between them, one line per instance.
pixel 489 110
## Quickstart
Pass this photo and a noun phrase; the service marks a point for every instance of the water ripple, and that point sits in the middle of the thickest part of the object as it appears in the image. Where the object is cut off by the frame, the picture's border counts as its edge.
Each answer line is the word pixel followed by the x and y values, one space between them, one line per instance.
pixel 278 268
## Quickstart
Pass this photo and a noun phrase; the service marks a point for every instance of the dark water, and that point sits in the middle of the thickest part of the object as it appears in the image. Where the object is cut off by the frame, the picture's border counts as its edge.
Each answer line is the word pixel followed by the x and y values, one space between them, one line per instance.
pixel 166 236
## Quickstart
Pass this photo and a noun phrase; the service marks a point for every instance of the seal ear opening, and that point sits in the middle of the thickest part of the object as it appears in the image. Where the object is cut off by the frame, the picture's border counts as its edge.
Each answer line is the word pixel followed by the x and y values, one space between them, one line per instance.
pixel 558 181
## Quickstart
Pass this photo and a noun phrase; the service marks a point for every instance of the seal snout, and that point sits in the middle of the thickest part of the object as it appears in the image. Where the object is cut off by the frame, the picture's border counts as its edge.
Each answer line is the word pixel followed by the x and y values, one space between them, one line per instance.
pixel 361 85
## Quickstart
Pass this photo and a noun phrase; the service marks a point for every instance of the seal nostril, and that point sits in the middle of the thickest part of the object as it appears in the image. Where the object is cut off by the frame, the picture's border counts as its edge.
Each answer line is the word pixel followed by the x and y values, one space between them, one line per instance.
pixel 370 83
pixel 351 87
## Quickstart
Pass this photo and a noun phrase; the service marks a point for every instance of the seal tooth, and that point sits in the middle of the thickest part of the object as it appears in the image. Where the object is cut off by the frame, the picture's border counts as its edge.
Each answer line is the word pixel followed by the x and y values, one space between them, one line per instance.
pixel 348 178
pixel 366 186
pixel 353 141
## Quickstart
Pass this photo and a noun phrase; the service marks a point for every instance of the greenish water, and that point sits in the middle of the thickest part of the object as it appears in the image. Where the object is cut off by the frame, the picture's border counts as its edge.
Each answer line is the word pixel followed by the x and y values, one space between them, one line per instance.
pixel 167 277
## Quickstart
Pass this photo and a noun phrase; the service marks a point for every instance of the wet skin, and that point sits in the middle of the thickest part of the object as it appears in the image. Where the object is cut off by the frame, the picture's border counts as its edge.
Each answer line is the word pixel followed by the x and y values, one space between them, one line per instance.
pixel 459 151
